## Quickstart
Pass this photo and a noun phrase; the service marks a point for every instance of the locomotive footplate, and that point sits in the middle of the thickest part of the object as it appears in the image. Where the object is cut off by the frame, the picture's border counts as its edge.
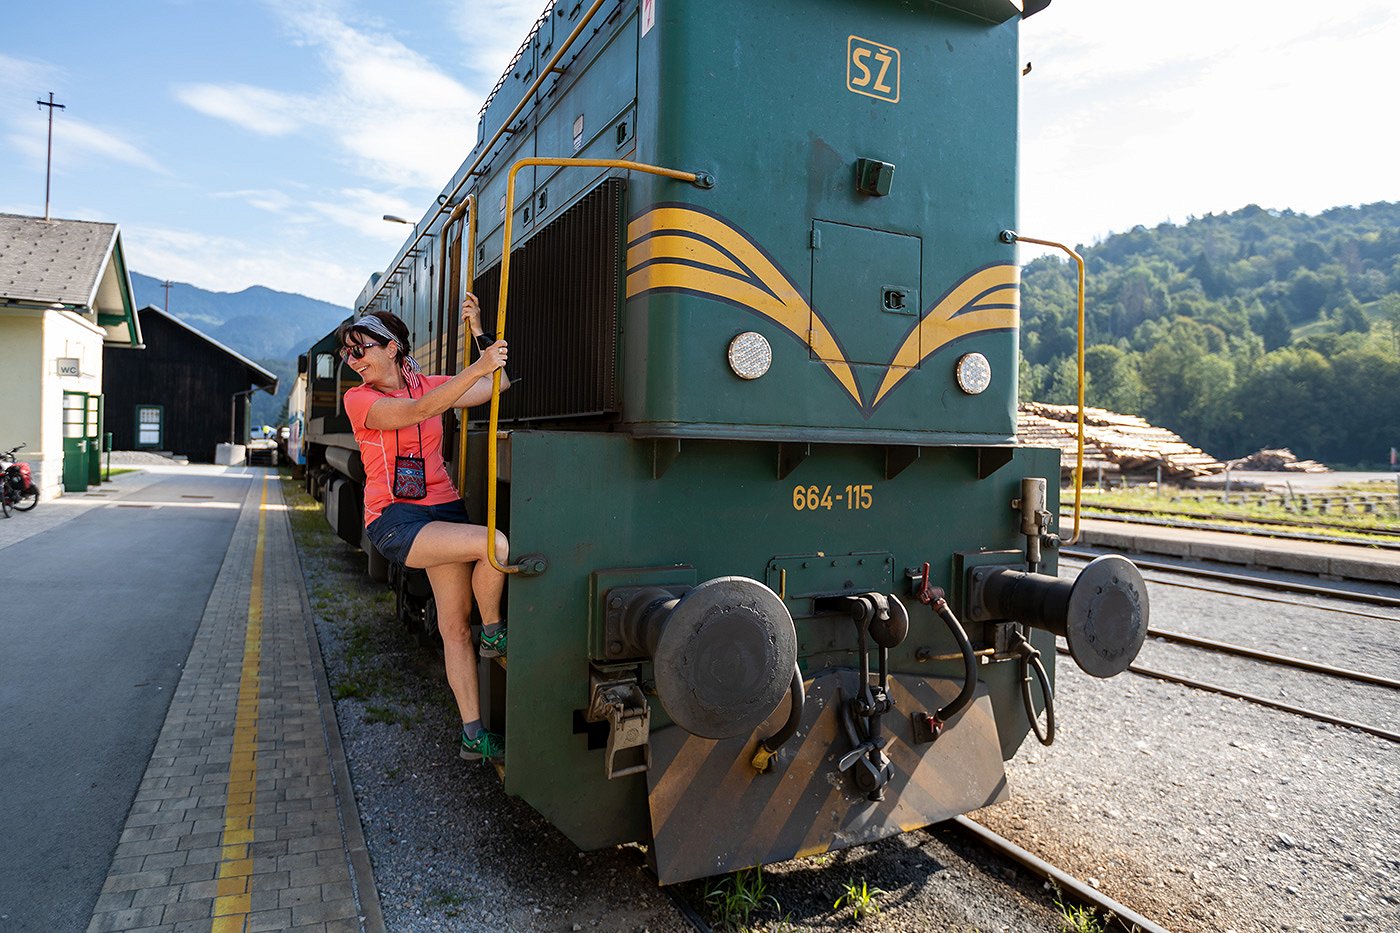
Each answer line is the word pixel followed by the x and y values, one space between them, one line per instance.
pixel 711 812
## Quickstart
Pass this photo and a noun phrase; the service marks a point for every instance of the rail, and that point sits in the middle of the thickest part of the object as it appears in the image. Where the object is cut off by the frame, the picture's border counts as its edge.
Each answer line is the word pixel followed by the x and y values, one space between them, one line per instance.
pixel 699 179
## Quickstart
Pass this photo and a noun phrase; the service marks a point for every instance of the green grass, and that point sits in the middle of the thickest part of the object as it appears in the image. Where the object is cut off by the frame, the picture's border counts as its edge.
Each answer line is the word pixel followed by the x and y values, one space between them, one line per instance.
pixel 373 660
pixel 1076 919
pixel 1210 507
pixel 118 471
pixel 734 899
pixel 860 899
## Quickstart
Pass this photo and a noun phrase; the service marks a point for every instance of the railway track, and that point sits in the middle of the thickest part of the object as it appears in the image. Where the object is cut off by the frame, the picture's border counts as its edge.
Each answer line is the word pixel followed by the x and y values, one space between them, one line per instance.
pixel 1267 657
pixel 1286 586
pixel 1116 916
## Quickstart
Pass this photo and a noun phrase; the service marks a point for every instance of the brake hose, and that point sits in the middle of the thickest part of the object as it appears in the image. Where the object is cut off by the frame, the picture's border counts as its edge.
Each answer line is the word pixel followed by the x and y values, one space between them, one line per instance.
pixel 935 597
pixel 762 759
pixel 1030 661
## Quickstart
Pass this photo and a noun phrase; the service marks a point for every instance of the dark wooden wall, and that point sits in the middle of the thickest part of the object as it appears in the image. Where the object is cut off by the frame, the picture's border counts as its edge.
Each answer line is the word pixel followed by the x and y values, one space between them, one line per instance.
pixel 193 380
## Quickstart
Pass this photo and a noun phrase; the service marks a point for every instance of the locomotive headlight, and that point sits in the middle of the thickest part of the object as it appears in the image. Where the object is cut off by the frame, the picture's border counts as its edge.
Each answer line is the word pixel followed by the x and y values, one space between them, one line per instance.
pixel 974 373
pixel 750 355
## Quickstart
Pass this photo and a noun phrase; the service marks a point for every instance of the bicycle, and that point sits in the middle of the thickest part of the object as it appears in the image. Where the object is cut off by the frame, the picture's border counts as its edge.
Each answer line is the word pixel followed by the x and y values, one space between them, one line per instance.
pixel 17 489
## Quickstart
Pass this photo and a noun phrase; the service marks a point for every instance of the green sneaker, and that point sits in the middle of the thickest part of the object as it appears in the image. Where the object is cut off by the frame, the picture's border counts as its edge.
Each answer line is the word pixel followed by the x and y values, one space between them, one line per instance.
pixel 493 646
pixel 486 746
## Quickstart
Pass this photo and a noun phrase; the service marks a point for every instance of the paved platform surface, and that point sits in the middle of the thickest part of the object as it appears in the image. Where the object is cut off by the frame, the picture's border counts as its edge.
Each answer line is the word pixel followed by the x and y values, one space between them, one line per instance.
pixel 244 818
pixel 1344 561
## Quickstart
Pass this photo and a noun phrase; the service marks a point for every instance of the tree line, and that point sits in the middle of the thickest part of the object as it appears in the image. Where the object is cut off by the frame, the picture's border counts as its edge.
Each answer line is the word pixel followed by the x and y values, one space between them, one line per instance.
pixel 1239 331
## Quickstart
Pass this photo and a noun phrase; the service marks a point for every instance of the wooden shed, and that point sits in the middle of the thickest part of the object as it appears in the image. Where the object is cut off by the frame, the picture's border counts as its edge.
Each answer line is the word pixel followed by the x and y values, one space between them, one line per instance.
pixel 185 393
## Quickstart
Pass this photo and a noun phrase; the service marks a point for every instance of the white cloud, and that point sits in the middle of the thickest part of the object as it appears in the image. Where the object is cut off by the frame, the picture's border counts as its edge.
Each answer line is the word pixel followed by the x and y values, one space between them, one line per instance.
pixel 267 113
pixel 76 142
pixel 232 264
pixel 362 210
pixel 1137 114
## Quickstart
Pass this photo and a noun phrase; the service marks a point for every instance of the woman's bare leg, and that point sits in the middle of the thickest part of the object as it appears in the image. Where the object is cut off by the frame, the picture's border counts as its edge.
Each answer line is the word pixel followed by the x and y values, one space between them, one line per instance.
pixel 452 591
pixel 441 543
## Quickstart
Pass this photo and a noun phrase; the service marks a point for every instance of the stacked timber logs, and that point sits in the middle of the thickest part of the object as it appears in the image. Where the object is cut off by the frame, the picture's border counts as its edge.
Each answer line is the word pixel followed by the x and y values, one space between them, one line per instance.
pixel 1281 460
pixel 1114 443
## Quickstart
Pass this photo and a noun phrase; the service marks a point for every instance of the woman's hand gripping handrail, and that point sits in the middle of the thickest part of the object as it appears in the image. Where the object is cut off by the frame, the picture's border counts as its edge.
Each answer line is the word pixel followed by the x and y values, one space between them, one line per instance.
pixel 535 564
pixel 1011 236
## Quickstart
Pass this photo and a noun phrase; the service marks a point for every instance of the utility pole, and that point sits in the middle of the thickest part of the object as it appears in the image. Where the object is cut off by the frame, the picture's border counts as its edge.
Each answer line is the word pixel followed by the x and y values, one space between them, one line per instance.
pixel 166 285
pixel 48 167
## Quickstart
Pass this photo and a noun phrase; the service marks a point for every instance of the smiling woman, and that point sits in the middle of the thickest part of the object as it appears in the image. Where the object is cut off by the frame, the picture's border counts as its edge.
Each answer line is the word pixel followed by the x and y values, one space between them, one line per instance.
pixel 413 512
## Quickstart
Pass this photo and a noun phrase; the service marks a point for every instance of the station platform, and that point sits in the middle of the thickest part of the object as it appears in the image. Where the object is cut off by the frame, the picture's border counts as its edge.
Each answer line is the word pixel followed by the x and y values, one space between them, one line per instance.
pixel 1333 561
pixel 245 818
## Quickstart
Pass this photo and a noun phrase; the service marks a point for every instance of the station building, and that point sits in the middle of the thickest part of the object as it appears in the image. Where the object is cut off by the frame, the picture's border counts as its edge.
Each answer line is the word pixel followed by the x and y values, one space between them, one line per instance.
pixel 185 394
pixel 65 298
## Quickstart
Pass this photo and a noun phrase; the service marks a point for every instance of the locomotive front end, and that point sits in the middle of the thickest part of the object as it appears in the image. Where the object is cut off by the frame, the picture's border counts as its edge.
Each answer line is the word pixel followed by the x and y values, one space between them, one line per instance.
pixel 790 572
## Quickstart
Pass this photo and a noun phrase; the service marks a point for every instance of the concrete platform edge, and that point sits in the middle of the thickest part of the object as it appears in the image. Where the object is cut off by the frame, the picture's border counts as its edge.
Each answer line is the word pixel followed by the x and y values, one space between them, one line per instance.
pixel 1139 540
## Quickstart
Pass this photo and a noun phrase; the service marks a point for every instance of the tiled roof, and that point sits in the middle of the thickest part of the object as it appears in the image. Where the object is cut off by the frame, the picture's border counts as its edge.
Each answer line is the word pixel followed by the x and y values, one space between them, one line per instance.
pixel 52 260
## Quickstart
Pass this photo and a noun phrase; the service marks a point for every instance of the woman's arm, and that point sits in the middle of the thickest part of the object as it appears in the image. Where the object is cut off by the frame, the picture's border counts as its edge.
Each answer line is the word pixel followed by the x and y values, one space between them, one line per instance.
pixel 480 392
pixel 388 414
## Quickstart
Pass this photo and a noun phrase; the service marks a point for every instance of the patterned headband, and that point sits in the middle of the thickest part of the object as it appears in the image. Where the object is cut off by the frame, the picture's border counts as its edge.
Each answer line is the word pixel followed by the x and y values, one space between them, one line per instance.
pixel 412 373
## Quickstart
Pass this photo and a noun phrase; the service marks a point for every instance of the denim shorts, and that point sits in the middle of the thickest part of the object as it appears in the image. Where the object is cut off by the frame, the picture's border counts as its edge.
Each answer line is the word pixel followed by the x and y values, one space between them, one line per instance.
pixel 396 527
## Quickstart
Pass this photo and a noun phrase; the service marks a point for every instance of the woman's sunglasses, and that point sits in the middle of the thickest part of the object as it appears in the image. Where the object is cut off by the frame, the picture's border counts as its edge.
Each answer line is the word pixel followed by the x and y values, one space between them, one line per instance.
pixel 356 351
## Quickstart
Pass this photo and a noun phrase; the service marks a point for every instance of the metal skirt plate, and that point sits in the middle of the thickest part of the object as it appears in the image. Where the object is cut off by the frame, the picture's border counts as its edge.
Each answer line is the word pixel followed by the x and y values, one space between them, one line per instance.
pixel 711 812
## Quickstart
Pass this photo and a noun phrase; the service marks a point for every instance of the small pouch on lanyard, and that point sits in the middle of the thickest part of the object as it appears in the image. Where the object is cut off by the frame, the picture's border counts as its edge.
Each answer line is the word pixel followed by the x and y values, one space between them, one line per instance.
pixel 410 473
pixel 410 478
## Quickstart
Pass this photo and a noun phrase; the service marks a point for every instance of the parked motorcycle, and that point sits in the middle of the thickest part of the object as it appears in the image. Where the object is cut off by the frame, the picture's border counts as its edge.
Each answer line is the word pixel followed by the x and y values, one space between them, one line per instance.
pixel 17 489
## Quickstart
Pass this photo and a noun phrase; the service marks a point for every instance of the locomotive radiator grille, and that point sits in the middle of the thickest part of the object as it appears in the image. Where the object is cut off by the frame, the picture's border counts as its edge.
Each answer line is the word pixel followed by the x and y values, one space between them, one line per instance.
pixel 563 312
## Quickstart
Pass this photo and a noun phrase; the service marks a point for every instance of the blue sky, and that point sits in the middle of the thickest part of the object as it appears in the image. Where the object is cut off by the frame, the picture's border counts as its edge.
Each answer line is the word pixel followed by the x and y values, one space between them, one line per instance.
pixel 250 142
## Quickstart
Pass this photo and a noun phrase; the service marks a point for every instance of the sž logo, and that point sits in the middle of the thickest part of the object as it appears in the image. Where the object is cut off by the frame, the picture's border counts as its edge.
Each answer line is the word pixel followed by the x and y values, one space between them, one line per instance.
pixel 872 69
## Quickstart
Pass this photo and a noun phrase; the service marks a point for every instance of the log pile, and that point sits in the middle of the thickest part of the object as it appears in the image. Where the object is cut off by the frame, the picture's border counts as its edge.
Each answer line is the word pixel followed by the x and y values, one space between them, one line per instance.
pixel 1281 460
pixel 1113 443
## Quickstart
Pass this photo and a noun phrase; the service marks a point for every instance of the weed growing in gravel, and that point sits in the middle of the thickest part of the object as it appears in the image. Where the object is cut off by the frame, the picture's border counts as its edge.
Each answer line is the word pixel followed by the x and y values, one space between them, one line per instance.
pixel 738 896
pixel 862 900
pixel 1076 919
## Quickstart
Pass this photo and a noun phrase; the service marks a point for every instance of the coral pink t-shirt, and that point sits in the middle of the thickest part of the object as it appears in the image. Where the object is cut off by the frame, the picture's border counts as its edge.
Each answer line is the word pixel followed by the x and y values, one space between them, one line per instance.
pixel 379 448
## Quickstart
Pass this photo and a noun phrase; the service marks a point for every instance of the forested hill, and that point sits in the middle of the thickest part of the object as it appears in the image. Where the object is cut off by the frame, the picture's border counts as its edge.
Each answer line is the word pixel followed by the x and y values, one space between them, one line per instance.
pixel 1252 329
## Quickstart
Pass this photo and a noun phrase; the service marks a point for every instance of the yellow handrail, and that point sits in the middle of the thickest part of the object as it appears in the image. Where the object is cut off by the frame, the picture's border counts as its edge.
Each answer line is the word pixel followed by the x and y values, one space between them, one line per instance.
pixel 492 440
pixel 468 280
pixel 1011 236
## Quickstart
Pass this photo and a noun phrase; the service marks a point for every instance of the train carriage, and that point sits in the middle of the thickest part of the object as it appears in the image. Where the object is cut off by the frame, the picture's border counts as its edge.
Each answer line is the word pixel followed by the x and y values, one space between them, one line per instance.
pixel 781 572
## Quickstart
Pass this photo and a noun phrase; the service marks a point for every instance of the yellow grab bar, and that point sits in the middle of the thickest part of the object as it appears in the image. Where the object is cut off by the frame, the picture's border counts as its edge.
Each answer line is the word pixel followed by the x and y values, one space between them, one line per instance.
pixel 699 179
pixel 468 280
pixel 1011 236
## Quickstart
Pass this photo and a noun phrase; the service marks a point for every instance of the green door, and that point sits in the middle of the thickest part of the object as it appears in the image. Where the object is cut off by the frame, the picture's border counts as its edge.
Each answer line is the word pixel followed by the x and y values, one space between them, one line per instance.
pixel 94 440
pixel 75 442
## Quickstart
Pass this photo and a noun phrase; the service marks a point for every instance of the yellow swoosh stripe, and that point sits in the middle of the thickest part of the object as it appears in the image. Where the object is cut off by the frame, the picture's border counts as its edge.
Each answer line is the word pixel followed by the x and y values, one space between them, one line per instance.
pixel 989 299
pixel 678 231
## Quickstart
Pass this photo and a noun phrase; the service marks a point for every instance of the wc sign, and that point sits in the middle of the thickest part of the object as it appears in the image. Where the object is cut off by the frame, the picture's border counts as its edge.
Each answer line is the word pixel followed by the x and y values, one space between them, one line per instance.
pixel 69 366
pixel 872 69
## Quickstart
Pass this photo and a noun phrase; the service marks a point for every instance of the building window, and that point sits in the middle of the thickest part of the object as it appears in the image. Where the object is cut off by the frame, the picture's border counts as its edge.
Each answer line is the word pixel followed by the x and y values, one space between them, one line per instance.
pixel 74 414
pixel 150 425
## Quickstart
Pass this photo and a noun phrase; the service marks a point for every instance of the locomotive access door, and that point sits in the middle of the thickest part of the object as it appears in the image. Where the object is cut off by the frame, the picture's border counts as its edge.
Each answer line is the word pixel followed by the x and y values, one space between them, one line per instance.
pixel 865 286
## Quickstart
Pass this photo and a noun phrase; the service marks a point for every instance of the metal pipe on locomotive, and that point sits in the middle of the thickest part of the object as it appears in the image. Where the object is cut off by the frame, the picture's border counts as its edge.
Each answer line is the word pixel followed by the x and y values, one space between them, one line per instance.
pixel 790 570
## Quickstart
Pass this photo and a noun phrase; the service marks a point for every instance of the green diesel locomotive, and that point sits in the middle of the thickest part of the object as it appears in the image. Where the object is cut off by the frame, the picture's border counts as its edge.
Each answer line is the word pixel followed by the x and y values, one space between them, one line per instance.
pixel 781 574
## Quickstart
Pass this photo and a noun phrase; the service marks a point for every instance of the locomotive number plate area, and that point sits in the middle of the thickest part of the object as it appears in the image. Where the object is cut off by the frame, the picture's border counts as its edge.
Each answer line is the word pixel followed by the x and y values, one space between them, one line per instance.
pixel 829 498
pixel 711 812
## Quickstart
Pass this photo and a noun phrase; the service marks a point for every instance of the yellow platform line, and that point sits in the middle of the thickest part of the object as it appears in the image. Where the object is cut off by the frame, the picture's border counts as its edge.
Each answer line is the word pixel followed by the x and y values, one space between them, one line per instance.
pixel 233 891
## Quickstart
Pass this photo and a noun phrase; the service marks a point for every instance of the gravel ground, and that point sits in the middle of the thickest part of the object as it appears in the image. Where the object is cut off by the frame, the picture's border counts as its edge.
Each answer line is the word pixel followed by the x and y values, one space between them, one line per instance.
pixel 1209 814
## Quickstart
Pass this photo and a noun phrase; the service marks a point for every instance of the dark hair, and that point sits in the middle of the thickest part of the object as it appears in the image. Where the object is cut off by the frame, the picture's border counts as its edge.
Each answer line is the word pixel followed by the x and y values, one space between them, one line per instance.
pixel 389 319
